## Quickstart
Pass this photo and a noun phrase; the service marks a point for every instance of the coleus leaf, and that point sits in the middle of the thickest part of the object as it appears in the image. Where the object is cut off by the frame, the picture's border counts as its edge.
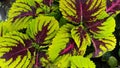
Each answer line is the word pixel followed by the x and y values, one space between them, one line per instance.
pixel 67 61
pixel 48 2
pixel 61 44
pixel 81 62
pixel 103 45
pixel 102 28
pixel 19 50
pixel 62 61
pixel 23 11
pixel 81 38
pixel 113 6
pixel 15 51
pixel 80 11
pixel 4 28
pixel 42 29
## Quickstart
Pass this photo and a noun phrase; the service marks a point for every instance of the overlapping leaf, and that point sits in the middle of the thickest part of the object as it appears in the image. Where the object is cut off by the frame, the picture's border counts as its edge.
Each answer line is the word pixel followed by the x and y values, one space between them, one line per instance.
pixel 26 50
pixel 92 19
pixel 15 51
pixel 103 45
pixel 102 28
pixel 81 38
pixel 62 43
pixel 41 31
pixel 113 7
pixel 81 62
pixel 81 11
pixel 23 11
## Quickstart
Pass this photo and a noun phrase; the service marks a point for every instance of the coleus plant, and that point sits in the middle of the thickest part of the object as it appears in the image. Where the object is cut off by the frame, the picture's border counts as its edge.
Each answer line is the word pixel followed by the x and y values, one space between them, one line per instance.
pixel 31 36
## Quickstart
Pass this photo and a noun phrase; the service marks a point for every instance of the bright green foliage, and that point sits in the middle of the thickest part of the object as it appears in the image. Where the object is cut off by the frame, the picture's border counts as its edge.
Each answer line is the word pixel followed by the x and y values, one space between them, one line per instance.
pixel 104 44
pixel 81 38
pixel 75 10
pixel 60 41
pixel 105 29
pixel 31 36
pixel 23 11
pixel 44 24
pixel 81 62
pixel 94 24
pixel 4 28
pixel 10 42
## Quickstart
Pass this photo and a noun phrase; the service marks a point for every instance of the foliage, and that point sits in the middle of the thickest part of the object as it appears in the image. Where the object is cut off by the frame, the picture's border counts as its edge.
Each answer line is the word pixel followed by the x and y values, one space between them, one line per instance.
pixel 59 34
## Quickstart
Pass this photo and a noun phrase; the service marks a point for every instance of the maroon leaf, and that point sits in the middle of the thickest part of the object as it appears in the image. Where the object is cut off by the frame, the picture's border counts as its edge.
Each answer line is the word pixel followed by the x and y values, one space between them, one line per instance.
pixel 69 48
pixel 113 6
pixel 38 56
pixel 41 35
pixel 48 2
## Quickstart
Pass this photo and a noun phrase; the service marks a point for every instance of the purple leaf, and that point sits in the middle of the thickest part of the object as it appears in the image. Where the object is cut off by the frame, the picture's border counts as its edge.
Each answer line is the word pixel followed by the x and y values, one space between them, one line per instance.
pixel 41 35
pixel 69 48
pixel 48 2
pixel 113 6
pixel 38 56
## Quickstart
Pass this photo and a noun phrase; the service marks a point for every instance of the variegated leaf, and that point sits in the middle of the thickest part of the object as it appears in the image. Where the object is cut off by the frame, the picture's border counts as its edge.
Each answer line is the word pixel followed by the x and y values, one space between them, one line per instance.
pixel 23 11
pixel 102 28
pixel 81 38
pixel 43 29
pixel 113 7
pixel 16 51
pixel 62 43
pixel 103 45
pixel 81 11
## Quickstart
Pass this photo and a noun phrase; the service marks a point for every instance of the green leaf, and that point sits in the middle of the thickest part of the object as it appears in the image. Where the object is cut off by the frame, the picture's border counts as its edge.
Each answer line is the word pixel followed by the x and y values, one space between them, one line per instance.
pixel 112 62
pixel 81 38
pixel 60 41
pixel 4 28
pixel 62 61
pixel 81 62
